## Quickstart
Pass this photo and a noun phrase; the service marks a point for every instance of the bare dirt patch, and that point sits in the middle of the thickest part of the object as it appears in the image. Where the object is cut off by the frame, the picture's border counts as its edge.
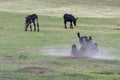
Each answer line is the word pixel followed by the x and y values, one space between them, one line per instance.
pixel 50 72
pixel 12 57
pixel 6 57
pixel 117 28
pixel 37 70
pixel 28 50
pixel 92 59
pixel 47 63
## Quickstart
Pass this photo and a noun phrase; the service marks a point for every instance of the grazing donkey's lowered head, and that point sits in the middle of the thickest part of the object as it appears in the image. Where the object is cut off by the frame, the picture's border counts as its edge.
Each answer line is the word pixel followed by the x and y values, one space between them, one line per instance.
pixel 31 19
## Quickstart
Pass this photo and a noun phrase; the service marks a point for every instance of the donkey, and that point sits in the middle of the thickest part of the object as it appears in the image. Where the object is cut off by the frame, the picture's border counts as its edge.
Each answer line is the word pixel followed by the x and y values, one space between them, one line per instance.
pixel 87 49
pixel 69 18
pixel 31 19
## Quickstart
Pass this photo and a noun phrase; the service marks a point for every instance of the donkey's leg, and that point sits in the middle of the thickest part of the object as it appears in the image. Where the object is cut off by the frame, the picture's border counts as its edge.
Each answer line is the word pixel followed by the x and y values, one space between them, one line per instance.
pixel 65 24
pixel 71 26
pixel 27 25
pixel 34 26
pixel 31 27
pixel 38 26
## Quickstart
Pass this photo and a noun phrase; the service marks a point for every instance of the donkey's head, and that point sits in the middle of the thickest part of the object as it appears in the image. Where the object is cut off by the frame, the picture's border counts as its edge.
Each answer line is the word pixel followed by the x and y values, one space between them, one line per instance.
pixel 26 23
pixel 75 21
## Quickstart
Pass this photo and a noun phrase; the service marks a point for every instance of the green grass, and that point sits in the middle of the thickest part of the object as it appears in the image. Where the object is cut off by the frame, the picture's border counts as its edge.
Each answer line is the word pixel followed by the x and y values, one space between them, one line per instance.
pixel 20 49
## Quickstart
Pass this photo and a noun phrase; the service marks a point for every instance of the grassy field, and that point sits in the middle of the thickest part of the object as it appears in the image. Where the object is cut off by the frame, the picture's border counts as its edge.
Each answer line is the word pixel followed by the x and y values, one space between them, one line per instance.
pixel 26 55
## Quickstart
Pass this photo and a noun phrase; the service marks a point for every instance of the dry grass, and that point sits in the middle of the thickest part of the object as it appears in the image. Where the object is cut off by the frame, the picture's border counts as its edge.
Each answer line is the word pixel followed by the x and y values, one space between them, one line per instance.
pixel 93 8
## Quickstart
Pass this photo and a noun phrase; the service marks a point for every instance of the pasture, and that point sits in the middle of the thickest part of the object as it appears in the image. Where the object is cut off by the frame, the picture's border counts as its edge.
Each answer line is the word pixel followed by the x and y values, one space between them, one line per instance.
pixel 44 55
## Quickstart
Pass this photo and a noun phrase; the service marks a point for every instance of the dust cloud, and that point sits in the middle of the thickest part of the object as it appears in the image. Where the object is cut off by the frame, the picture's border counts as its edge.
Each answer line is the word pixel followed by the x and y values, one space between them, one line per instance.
pixel 52 51
pixel 103 54
pixel 106 53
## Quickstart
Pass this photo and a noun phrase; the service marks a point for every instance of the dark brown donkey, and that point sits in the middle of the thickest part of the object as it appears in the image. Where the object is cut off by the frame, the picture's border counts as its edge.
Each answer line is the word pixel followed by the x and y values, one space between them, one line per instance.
pixel 31 19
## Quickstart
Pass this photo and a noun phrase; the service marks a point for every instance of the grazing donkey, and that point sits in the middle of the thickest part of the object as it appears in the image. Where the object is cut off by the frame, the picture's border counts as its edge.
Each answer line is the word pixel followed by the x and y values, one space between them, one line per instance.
pixel 69 18
pixel 31 19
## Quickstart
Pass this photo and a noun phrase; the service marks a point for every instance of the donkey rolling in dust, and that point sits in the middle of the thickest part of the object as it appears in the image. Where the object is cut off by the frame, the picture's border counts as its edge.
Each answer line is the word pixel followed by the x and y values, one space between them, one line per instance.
pixel 88 48
pixel 31 19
